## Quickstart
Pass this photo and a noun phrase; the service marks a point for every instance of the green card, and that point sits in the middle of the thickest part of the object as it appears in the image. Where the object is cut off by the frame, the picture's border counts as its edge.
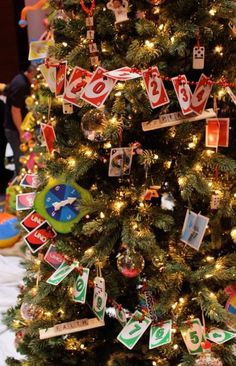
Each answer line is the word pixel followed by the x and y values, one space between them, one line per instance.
pixel 160 335
pixel 80 286
pixel 61 273
pixel 121 316
pixel 220 336
pixel 133 330
pixel 193 336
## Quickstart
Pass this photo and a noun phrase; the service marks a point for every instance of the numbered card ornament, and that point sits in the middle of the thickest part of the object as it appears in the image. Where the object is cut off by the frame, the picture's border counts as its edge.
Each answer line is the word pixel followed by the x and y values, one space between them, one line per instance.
pixel 160 334
pixel 120 10
pixel 98 89
pixel 121 315
pixel 80 286
pixel 61 273
pixel 123 74
pixel 183 92
pixel 201 95
pixel 155 88
pixel 78 80
pixel 219 336
pixel 198 57
pixel 193 336
pixel 99 298
pixel 49 74
pixel 134 329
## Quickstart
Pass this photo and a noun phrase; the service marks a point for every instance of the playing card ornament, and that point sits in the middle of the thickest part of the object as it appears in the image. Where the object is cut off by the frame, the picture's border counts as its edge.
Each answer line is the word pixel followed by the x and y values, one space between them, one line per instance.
pixel 59 203
pixel 93 125
pixel 120 10
pixel 208 359
pixel 130 263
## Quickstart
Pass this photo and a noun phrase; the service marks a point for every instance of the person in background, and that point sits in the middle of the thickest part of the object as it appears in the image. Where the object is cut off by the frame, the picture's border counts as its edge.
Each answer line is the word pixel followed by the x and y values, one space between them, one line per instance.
pixel 18 89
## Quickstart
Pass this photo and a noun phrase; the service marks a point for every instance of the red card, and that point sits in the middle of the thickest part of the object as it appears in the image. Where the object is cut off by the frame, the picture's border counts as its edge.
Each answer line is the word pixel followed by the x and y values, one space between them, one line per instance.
pixel 78 80
pixel 124 73
pixel 25 201
pixel 30 180
pixel 217 132
pixel 49 136
pixel 98 88
pixel 155 88
pixel 61 78
pixel 183 92
pixel 31 221
pixel 53 258
pixel 201 95
pixel 39 236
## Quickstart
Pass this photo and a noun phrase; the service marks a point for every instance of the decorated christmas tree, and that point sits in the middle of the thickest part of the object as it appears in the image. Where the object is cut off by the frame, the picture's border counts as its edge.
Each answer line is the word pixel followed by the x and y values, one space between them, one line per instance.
pixel 132 229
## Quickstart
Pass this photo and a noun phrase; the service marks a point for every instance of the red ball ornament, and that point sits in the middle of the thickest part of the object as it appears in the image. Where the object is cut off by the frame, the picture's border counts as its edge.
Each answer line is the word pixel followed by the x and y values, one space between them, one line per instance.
pixel 130 263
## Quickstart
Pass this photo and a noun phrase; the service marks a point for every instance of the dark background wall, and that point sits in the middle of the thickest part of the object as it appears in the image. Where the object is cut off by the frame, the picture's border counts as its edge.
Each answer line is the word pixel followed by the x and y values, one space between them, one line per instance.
pixel 13 40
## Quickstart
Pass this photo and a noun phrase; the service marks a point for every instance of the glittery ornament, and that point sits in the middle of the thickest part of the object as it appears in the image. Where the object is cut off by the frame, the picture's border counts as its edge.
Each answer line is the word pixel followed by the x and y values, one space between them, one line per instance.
pixel 30 312
pixel 130 263
pixel 93 124
pixel 208 359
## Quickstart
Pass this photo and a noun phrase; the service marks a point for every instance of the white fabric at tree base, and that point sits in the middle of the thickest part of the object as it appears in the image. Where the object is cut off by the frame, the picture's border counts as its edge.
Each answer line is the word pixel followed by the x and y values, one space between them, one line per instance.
pixel 11 274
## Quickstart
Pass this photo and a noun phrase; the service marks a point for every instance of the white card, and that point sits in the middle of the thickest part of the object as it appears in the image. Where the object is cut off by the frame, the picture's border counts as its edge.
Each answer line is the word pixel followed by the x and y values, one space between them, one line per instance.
pixel 193 336
pixel 155 88
pixel 198 57
pixel 123 74
pixel 183 92
pixel 201 95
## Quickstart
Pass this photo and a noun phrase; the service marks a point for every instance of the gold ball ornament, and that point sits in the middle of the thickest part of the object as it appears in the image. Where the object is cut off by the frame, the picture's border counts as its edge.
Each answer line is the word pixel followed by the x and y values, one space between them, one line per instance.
pixel 130 263
pixel 93 125
pixel 208 359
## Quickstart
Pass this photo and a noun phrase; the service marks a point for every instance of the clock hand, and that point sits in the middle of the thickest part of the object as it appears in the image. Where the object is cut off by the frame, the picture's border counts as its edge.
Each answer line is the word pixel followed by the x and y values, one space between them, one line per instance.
pixel 68 201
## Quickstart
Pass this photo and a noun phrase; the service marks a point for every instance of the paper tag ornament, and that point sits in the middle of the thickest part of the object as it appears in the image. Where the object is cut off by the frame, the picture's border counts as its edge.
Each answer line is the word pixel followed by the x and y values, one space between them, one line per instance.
pixel 98 88
pixel 193 336
pixel 78 80
pixel 217 132
pixel 30 180
pixel 201 95
pixel 53 258
pixel 67 108
pixel 160 334
pixel 123 74
pixel 80 286
pixel 155 88
pixel 219 336
pixel 198 57
pixel 40 236
pixel 194 229
pixel 39 49
pixel 99 298
pixel 49 74
pixel 231 94
pixel 31 221
pixel 120 161
pixel 49 136
pixel 25 201
pixel 61 69
pixel 183 92
pixel 134 330
pixel 61 273
pixel 120 10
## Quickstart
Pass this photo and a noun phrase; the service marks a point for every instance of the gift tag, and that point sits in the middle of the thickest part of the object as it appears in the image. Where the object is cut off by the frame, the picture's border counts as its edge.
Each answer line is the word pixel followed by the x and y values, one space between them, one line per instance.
pixel 156 91
pixel 160 334
pixel 120 161
pixel 231 94
pixel 31 221
pixel 78 80
pixel 49 136
pixel 183 92
pixel 53 258
pixel 201 95
pixel 38 237
pixel 61 273
pixel 80 286
pixel 123 74
pixel 39 49
pixel 25 201
pixel 49 74
pixel 99 298
pixel 217 132
pixel 133 330
pixel 61 69
pixel 193 336
pixel 98 88
pixel 198 57
pixel 30 180
pixel 121 316
pixel 67 108
pixel 219 336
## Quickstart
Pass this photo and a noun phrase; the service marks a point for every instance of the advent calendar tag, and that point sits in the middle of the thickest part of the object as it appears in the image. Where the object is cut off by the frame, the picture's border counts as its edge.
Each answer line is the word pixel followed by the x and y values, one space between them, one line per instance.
pixel 156 91
pixel 61 69
pixel 31 221
pixel 123 74
pixel 160 334
pixel 38 237
pixel 78 80
pixel 67 108
pixel 183 92
pixel 49 136
pixel 98 88
pixel 120 161
pixel 61 273
pixel 198 57
pixel 201 95
pixel 133 330
pixel 49 74
pixel 99 298
pixel 25 201
pixel 193 335
pixel 80 286
pixel 231 94
pixel 217 132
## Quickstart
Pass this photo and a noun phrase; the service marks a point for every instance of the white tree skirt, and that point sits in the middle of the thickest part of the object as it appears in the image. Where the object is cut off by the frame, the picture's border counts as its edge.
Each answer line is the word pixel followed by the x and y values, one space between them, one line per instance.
pixel 11 274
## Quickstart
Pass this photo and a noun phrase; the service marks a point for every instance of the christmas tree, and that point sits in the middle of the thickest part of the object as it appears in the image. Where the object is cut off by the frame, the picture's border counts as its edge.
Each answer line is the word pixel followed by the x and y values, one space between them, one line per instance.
pixel 136 262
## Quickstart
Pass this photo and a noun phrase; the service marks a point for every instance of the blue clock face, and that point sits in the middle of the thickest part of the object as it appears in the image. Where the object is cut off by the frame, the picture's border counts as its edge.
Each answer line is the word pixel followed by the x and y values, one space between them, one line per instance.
pixel 61 202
